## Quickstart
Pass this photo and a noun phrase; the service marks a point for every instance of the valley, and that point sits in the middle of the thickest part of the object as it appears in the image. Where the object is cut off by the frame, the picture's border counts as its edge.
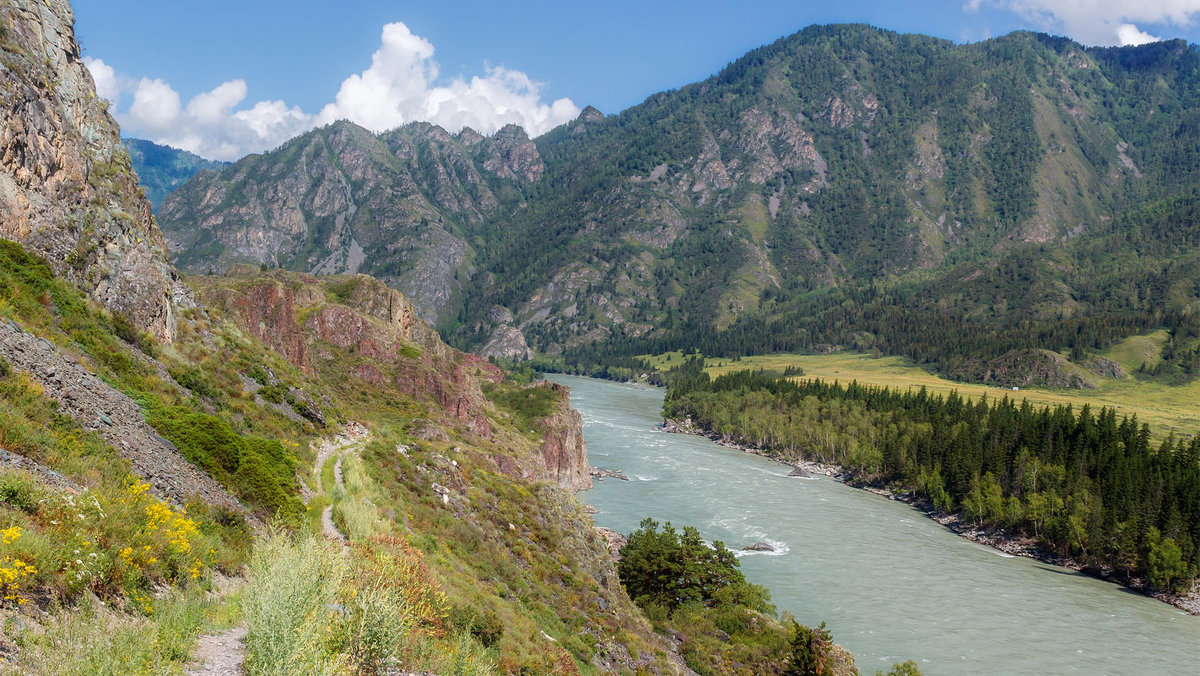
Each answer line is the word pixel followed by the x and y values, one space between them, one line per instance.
pixel 1166 408
pixel 286 414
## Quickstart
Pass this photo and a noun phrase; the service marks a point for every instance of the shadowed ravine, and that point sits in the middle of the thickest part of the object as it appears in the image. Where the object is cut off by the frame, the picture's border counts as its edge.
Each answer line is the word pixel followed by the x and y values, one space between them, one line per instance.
pixel 892 584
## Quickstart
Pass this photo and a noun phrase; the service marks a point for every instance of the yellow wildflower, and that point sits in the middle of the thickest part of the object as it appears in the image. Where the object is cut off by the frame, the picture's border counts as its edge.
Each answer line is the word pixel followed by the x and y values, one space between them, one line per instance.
pixel 10 534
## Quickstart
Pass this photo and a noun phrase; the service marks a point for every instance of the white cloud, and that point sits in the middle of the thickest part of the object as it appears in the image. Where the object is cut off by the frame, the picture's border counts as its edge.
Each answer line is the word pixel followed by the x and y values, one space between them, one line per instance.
pixel 107 86
pixel 155 106
pixel 400 86
pixel 1101 22
pixel 1129 34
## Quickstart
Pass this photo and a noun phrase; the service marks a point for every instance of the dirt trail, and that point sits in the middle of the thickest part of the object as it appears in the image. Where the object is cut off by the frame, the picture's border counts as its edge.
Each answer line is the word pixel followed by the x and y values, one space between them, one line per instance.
pixel 350 438
pixel 219 654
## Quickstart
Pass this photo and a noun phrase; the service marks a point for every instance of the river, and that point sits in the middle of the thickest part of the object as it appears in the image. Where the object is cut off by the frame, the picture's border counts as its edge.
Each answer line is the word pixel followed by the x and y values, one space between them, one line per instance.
pixel 890 583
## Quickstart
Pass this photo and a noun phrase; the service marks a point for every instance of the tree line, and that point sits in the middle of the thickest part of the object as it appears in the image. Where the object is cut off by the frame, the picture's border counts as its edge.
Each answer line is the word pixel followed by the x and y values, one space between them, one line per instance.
pixel 1086 483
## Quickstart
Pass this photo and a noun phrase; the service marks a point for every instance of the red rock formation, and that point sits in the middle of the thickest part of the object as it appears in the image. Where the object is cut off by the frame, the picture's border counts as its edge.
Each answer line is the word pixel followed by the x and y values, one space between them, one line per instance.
pixel 564 453
pixel 268 312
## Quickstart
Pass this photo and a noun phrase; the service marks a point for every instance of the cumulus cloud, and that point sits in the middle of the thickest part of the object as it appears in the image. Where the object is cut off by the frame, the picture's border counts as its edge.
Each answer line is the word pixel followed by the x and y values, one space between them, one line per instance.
pixel 1101 22
pixel 401 85
pixel 107 86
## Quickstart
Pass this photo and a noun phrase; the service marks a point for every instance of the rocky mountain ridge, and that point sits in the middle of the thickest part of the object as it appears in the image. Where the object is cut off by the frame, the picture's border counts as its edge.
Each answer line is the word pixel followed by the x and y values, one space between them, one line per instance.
pixel 835 166
pixel 341 200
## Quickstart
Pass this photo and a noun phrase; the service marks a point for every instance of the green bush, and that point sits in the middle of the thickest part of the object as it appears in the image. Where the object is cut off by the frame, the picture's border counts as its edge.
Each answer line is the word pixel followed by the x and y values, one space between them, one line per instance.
pixel 484 626
pixel 260 471
pixel 129 333
pixel 19 492
pixel 276 394
pixel 196 381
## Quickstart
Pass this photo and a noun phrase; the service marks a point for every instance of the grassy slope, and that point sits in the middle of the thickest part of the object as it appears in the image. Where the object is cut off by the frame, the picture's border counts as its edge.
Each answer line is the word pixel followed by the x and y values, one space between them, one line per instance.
pixel 1164 407
pixel 509 561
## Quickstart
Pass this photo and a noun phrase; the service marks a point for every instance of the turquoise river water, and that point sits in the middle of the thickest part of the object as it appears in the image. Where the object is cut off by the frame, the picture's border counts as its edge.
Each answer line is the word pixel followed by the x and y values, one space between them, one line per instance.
pixel 890 583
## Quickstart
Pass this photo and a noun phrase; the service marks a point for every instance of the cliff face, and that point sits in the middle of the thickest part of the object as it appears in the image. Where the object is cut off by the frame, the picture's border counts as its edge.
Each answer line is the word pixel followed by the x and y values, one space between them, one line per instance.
pixel 564 452
pixel 67 190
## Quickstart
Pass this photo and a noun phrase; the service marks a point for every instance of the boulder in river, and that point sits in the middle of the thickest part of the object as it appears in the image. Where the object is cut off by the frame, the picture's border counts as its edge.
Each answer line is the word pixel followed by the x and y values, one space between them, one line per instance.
pixel 759 546
pixel 800 472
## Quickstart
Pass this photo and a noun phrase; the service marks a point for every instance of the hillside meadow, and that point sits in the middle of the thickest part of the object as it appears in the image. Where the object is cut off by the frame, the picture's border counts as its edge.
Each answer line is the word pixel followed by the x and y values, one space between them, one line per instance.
pixel 1166 408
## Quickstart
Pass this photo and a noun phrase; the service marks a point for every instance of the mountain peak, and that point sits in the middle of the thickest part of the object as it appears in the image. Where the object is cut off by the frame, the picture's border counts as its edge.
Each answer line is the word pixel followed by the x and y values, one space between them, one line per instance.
pixel 590 114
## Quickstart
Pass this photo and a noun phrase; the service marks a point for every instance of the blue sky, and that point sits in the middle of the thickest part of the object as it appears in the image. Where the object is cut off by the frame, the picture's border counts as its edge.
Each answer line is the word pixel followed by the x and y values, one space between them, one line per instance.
pixel 224 78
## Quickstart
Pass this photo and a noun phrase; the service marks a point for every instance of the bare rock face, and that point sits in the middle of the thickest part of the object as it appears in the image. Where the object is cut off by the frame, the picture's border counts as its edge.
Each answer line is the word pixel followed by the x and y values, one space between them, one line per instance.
pixel 67 191
pixel 564 452
pixel 515 155
pixel 507 342
pixel 1023 368
pixel 304 319
pixel 343 200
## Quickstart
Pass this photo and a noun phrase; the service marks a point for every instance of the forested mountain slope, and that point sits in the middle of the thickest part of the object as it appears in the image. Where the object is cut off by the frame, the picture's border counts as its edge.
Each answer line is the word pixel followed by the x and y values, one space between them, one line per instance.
pixel 161 169
pixel 842 187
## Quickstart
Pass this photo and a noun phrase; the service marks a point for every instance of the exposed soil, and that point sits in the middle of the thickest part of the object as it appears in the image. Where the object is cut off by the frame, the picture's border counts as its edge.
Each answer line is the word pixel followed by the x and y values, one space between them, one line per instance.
pixel 219 654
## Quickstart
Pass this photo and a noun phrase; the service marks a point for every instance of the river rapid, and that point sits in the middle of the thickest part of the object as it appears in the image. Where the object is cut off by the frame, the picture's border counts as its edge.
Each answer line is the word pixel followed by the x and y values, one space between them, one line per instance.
pixel 890 583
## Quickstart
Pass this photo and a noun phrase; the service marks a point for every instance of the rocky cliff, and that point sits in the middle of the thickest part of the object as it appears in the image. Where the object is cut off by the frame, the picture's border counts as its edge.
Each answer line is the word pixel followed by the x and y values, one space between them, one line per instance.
pixel 353 325
pixel 67 190
pixel 564 452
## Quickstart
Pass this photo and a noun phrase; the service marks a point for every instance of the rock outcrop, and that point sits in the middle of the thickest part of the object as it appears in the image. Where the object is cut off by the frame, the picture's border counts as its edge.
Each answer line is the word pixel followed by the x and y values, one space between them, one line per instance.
pixel 310 320
pixel 564 453
pixel 507 342
pixel 67 191
pixel 1024 368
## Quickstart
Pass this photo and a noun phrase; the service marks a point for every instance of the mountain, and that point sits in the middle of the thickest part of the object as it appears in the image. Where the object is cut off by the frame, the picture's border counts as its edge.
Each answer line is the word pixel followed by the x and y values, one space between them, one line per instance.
pixel 302 457
pixel 401 206
pixel 161 169
pixel 843 187
pixel 67 189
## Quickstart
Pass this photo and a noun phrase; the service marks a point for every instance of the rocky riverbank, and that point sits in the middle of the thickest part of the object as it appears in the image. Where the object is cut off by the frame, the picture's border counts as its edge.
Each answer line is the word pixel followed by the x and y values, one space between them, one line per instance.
pixel 998 538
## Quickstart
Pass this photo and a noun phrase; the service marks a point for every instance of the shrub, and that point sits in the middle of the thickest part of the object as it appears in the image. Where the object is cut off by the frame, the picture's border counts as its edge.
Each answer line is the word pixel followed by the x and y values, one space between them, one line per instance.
pixel 196 381
pixel 260 471
pixel 129 333
pixel 19 492
pixel 290 605
pixel 485 626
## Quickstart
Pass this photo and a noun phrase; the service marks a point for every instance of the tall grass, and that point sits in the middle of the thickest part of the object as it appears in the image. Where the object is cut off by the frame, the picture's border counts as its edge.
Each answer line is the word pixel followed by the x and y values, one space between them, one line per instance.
pixel 94 639
pixel 353 510
pixel 289 605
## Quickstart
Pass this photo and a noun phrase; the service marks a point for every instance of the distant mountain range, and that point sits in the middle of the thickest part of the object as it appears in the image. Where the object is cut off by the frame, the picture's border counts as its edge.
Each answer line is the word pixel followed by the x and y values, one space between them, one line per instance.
pixel 842 187
pixel 161 169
